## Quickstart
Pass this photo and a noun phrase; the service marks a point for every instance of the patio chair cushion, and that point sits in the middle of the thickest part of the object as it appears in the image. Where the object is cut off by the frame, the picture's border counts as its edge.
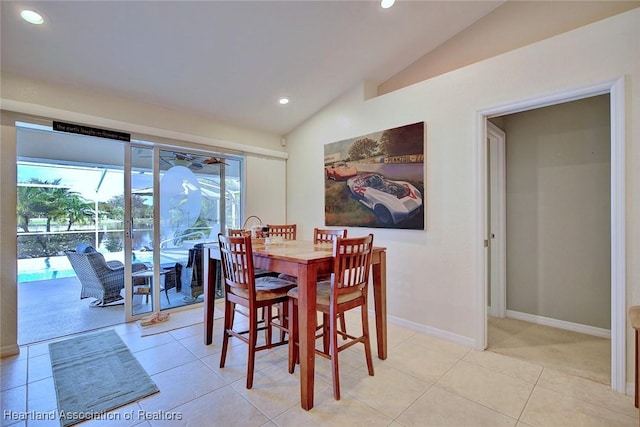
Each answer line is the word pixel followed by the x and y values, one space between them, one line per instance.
pixel 85 248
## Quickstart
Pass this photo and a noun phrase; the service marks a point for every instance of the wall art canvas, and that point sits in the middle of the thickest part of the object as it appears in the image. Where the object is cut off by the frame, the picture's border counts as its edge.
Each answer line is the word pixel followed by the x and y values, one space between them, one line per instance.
pixel 376 180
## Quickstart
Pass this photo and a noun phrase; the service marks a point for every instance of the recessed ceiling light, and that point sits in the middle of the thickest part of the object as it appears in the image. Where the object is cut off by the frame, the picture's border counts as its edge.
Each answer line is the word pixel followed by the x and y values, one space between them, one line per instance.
pixel 386 4
pixel 32 17
pixel 283 101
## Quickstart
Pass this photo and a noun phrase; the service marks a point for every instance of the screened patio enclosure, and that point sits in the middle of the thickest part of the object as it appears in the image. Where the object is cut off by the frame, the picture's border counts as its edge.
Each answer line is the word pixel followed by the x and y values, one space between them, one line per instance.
pixel 136 203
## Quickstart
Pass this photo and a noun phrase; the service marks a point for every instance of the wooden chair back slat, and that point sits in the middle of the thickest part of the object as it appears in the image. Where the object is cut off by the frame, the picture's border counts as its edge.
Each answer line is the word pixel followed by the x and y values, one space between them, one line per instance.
pixel 286 231
pixel 238 232
pixel 352 263
pixel 325 235
pixel 236 256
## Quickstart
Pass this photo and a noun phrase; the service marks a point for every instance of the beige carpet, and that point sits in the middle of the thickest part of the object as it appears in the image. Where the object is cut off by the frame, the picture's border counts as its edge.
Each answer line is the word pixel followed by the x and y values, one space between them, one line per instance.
pixel 578 354
pixel 179 319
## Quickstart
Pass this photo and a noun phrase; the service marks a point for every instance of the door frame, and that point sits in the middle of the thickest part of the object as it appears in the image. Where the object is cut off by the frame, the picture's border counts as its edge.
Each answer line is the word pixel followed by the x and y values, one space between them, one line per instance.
pixel 616 89
pixel 129 230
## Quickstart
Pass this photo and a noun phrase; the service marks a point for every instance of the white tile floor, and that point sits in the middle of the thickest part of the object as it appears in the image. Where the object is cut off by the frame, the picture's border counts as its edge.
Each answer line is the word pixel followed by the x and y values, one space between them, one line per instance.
pixel 424 382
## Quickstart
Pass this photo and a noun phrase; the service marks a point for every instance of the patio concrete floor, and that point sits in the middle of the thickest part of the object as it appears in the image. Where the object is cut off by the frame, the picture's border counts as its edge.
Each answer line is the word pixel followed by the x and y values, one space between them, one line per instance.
pixel 52 308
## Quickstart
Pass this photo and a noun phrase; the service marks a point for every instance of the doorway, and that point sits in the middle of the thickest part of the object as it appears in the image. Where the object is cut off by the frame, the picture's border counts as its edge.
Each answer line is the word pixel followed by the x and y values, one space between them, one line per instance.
pixel 556 228
pixel 617 252
pixel 91 174
pixel 67 195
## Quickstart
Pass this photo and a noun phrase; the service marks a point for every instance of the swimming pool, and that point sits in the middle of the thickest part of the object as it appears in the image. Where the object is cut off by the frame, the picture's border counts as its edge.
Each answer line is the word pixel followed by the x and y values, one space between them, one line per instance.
pixel 58 267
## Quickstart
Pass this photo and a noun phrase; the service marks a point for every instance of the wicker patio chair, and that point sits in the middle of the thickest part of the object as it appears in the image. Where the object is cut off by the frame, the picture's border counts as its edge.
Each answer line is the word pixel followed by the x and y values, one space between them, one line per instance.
pixel 192 279
pixel 100 279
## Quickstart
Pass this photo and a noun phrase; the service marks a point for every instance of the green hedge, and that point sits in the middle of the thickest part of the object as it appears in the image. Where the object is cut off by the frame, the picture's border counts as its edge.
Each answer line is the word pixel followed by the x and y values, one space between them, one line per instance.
pixel 46 245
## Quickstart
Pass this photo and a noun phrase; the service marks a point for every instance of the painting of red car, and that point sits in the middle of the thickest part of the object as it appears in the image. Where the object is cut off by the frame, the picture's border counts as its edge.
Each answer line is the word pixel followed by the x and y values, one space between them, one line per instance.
pixel 340 171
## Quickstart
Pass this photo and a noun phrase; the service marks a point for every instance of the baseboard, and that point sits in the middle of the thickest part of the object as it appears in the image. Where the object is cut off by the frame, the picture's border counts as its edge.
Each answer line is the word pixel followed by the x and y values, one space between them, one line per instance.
pixel 9 350
pixel 630 389
pixel 560 324
pixel 434 332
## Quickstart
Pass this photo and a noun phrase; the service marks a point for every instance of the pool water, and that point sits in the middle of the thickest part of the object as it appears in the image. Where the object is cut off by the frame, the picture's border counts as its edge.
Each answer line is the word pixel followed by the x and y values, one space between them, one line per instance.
pixel 47 274
pixel 33 269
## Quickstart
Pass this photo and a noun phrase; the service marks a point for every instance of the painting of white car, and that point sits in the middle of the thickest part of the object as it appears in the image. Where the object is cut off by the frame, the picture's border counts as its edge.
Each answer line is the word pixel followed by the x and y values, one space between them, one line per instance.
pixel 391 201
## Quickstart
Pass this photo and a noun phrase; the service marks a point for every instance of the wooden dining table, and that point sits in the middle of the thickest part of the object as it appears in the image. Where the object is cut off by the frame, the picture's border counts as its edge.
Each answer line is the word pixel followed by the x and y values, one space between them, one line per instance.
pixel 304 260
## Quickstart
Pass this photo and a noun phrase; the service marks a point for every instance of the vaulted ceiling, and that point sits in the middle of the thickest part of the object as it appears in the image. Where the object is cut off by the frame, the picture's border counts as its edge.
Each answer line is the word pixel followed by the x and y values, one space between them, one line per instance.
pixel 228 60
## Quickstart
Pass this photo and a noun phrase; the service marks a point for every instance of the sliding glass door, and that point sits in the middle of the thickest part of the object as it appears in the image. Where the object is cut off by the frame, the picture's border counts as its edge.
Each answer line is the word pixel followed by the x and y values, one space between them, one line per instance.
pixel 142 208
pixel 139 243
pixel 179 201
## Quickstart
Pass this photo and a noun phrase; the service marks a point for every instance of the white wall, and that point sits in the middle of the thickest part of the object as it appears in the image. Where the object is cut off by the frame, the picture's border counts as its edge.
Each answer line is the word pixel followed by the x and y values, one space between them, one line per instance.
pixel 19 93
pixel 266 175
pixel 31 100
pixel 431 281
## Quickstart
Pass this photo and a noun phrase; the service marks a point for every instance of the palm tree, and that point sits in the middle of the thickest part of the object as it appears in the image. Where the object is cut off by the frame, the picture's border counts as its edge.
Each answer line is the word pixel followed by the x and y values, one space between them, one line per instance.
pixel 77 210
pixel 39 200
pixel 54 205
pixel 25 206
pixel 49 200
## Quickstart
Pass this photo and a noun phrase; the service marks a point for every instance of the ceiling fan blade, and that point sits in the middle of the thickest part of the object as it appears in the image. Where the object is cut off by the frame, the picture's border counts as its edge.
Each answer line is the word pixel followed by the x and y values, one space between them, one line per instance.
pixel 214 161
pixel 182 156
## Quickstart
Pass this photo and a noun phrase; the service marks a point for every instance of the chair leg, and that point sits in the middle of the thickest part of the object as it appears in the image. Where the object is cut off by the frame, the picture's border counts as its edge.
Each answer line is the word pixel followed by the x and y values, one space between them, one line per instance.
pixel 229 307
pixel 282 319
pixel 367 341
pixel 253 338
pixel 343 324
pixel 326 339
pixel 268 317
pixel 333 352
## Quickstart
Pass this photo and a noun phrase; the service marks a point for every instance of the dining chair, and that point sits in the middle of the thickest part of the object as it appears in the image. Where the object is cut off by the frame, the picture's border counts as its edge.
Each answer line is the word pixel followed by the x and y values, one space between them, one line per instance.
pixel 238 232
pixel 286 231
pixel 326 235
pixel 346 290
pixel 259 272
pixel 242 288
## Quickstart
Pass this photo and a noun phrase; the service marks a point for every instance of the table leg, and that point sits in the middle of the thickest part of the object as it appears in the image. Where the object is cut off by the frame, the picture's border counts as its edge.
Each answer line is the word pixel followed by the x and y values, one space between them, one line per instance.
pixel 380 303
pixel 149 286
pixel 307 331
pixel 208 272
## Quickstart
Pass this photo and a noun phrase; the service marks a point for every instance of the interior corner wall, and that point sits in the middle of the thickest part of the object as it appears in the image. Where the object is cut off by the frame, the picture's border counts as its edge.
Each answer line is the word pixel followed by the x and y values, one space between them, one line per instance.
pixel 432 282
pixel 558 194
